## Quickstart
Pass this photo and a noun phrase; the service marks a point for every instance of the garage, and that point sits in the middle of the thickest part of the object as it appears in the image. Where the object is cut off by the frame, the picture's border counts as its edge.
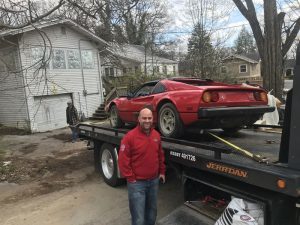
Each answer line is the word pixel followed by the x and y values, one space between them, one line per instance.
pixel 50 112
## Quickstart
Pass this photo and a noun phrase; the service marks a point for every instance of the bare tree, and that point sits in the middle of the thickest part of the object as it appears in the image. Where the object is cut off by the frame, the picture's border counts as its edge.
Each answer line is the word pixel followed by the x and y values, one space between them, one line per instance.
pixel 207 16
pixel 271 43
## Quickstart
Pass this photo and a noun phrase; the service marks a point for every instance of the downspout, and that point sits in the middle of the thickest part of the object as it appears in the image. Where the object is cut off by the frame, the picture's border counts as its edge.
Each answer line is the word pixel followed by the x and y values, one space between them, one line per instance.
pixel 84 92
pixel 24 86
pixel 100 75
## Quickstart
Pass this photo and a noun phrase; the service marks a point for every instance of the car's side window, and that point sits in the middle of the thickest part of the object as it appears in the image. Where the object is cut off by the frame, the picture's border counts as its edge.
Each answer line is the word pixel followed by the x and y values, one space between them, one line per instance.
pixel 159 88
pixel 145 90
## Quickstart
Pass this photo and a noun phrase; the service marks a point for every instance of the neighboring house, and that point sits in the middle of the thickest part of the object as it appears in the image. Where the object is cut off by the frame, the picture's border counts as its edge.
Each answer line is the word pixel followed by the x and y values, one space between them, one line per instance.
pixel 242 67
pixel 133 59
pixel 37 99
pixel 288 66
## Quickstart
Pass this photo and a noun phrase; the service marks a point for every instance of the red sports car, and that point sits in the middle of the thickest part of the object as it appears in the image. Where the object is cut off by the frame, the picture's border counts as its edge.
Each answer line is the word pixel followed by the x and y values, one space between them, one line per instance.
pixel 180 102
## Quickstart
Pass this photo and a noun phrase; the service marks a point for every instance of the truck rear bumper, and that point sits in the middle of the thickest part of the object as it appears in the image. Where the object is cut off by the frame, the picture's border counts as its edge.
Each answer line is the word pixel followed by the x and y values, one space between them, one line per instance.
pixel 233 111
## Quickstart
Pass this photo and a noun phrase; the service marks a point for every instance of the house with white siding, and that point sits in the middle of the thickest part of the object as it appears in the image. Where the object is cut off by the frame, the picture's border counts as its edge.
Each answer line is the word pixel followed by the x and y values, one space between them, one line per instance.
pixel 44 66
pixel 134 59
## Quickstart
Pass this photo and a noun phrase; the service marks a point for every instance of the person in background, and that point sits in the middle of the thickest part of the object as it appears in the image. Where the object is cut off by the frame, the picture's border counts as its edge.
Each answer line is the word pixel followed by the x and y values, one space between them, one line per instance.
pixel 141 162
pixel 72 120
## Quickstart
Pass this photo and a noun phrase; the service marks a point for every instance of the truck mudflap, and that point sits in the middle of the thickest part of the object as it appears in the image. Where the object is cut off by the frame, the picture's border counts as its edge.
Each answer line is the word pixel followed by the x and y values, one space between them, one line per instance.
pixel 184 215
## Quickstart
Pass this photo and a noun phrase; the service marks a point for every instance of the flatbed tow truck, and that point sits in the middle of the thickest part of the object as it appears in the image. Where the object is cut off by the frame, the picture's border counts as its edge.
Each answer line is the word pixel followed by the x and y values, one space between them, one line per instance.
pixel 214 167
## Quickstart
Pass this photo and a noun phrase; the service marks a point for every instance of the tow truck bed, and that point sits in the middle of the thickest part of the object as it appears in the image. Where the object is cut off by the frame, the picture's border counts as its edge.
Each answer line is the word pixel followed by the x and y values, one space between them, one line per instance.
pixel 204 152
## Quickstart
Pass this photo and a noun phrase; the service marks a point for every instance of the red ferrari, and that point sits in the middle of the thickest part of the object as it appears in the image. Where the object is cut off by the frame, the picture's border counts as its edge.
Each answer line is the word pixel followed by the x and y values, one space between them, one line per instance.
pixel 181 102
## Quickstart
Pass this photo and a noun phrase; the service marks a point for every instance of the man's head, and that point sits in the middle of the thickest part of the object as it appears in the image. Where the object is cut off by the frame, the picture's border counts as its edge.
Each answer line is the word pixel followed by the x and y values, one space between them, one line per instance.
pixel 145 119
pixel 69 103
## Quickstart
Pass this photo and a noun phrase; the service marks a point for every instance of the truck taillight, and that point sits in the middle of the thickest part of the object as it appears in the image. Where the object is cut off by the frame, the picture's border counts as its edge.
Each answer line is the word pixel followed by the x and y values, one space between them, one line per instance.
pixel 210 96
pixel 260 96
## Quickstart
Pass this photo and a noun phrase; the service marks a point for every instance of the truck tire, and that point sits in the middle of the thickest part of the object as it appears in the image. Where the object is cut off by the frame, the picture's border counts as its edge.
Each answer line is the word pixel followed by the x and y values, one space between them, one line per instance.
pixel 114 118
pixel 169 122
pixel 107 165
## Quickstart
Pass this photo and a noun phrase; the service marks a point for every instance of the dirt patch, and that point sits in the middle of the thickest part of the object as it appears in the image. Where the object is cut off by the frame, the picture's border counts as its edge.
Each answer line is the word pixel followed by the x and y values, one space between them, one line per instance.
pixel 29 148
pixel 22 170
pixel 62 137
pixel 49 174
pixel 12 131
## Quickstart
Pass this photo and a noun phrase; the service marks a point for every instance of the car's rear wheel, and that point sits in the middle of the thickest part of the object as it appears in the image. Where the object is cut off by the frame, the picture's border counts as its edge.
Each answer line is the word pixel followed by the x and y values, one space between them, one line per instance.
pixel 114 118
pixel 169 123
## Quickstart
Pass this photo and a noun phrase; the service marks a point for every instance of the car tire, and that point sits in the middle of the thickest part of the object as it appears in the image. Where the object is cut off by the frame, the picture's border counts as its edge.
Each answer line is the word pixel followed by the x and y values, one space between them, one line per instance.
pixel 169 122
pixel 106 164
pixel 231 130
pixel 114 118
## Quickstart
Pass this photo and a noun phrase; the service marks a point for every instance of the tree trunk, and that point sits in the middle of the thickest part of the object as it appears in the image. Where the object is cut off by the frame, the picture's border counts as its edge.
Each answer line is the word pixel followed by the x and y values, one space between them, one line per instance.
pixel 272 63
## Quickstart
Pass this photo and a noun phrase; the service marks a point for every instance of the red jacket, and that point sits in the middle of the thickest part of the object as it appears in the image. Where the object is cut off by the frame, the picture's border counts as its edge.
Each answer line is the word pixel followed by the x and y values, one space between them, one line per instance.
pixel 141 156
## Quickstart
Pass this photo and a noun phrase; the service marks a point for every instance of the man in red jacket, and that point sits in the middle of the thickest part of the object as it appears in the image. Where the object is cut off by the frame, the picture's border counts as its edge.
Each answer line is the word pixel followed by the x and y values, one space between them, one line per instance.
pixel 141 162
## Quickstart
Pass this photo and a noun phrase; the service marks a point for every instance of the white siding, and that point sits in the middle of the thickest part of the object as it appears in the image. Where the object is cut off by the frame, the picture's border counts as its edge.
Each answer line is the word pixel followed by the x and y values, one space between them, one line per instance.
pixel 61 81
pixel 13 108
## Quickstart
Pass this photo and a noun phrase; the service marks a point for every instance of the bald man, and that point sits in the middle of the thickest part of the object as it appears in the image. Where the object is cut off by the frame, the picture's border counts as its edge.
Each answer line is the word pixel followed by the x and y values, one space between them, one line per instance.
pixel 141 162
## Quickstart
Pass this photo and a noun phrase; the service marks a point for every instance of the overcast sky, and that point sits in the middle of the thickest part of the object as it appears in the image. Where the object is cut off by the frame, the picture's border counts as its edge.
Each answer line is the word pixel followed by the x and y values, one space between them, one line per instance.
pixel 182 25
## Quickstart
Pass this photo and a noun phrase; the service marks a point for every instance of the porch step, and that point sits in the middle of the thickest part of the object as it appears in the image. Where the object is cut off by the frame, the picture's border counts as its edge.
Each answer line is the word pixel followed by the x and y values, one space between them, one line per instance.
pixel 99 114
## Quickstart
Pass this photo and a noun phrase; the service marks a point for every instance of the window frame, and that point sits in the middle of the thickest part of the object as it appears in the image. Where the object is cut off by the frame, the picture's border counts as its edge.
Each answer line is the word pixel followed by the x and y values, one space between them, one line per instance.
pixel 246 69
pixel 224 69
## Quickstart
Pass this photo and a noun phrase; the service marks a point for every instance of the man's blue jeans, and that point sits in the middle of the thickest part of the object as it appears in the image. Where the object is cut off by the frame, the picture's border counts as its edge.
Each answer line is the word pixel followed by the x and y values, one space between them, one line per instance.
pixel 142 197
pixel 74 133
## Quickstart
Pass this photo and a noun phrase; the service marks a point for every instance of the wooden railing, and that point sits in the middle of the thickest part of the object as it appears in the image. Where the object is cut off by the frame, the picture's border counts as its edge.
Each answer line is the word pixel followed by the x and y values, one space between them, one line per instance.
pixel 115 93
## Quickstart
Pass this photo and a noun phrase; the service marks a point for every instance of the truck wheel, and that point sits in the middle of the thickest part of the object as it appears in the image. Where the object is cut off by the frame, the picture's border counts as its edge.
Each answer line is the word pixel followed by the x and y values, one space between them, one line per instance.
pixel 169 123
pixel 114 118
pixel 106 163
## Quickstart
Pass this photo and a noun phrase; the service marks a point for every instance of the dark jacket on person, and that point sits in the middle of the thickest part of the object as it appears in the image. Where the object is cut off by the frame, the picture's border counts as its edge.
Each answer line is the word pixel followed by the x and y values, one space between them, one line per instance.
pixel 72 115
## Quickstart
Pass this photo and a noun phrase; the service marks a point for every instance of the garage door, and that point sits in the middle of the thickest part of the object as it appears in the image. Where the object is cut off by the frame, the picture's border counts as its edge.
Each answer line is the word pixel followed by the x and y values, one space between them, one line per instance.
pixel 50 112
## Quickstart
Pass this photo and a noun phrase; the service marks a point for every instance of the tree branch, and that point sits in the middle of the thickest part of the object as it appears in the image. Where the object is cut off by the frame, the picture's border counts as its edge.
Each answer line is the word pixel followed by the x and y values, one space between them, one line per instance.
pixel 61 2
pixel 250 15
pixel 291 37
pixel 81 8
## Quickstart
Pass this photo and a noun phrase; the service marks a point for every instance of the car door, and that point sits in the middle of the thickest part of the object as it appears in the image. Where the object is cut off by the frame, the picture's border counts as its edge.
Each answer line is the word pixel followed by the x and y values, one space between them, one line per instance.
pixel 141 98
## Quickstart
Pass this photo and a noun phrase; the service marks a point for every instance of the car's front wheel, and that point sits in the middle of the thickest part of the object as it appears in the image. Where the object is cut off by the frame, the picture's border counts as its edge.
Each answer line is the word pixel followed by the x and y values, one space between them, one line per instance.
pixel 114 118
pixel 169 123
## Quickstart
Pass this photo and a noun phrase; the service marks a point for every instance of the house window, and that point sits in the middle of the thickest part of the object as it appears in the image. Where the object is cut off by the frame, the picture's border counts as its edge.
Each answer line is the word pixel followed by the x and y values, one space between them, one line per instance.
pixel 136 69
pixel 289 72
pixel 111 71
pixel 223 69
pixel 73 59
pixel 156 69
pixel 87 59
pixel 174 70
pixel 124 71
pixel 40 56
pixel 165 69
pixel 58 59
pixel 243 68
pixel 106 71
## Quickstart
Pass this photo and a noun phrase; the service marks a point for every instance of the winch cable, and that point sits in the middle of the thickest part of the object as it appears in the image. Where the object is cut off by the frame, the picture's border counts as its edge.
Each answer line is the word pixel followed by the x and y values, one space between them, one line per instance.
pixel 242 151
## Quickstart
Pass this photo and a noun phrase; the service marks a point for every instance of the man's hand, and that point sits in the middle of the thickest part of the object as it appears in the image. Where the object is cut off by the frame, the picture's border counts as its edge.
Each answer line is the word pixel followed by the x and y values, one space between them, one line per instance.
pixel 162 178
